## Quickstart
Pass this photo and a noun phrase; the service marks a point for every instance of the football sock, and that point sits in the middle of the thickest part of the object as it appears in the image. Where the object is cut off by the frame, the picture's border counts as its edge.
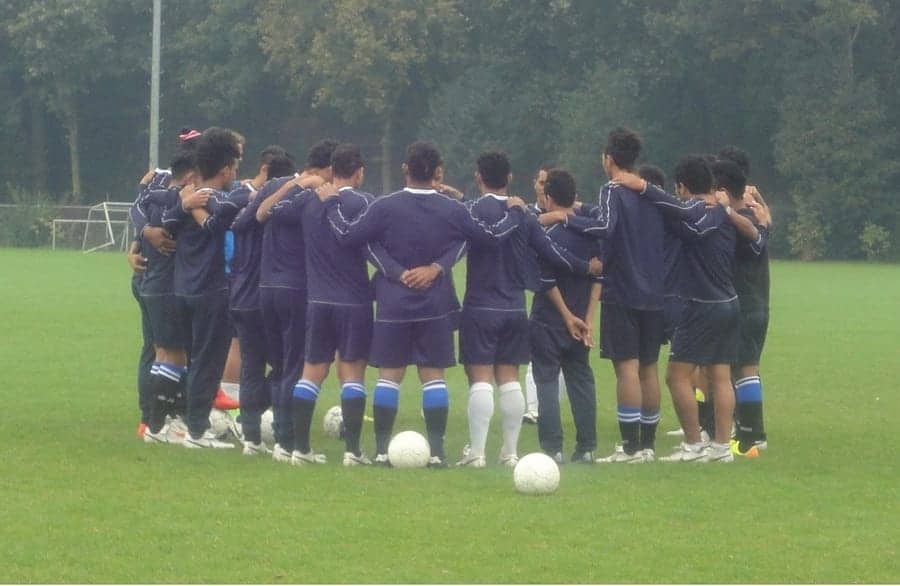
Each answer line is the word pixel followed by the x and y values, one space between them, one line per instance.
pixel 353 407
pixel 302 408
pixel 436 406
pixel 385 401
pixel 480 411
pixel 706 412
pixel 179 404
pixel 512 407
pixel 531 400
pixel 629 427
pixel 748 393
pixel 649 421
pixel 164 381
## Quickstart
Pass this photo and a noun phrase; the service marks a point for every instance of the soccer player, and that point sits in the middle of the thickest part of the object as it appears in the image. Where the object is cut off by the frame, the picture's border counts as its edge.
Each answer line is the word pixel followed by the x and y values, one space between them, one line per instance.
pixel 493 336
pixel 561 336
pixel 751 281
pixel 631 320
pixel 158 296
pixel 200 281
pixel 531 400
pixel 255 389
pixel 416 225
pixel 708 333
pixel 283 284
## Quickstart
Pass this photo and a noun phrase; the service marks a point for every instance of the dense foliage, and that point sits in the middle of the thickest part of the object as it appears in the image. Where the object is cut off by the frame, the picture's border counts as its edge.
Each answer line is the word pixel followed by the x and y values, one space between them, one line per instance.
pixel 808 87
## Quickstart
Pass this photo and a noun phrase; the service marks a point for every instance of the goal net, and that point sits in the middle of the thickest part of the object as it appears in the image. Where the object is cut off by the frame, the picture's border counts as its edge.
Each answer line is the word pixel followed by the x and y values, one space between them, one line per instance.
pixel 106 226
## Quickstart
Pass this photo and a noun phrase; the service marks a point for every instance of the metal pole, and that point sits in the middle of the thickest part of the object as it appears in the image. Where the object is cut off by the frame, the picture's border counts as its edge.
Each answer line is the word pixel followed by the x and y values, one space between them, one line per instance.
pixel 154 86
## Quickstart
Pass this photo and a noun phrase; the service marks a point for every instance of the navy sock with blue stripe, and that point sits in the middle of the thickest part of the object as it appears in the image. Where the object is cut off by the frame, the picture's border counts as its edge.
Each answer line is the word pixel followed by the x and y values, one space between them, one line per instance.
pixel 385 401
pixel 353 408
pixel 748 393
pixel 436 407
pixel 649 421
pixel 303 406
pixel 629 426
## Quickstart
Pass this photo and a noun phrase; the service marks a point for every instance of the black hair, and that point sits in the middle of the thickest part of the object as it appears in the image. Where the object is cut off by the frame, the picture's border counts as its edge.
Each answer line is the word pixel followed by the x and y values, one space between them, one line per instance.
pixel 319 155
pixel 280 166
pixel 269 153
pixel 560 187
pixel 346 160
pixel 182 163
pixel 494 169
pixel 730 177
pixel 737 156
pixel 216 149
pixel 623 146
pixel 694 173
pixel 422 160
pixel 653 174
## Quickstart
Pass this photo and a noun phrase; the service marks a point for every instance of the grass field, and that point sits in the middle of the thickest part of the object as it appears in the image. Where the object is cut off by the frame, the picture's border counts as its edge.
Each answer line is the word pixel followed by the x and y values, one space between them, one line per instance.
pixel 84 501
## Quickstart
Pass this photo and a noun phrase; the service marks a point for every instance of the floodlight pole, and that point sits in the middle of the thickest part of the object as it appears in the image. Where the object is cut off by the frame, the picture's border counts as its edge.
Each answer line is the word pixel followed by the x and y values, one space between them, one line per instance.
pixel 154 85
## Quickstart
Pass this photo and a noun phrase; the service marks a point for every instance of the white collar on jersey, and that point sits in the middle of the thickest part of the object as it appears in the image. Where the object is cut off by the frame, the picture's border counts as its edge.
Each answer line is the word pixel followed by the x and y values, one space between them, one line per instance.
pixel 345 188
pixel 419 191
pixel 495 196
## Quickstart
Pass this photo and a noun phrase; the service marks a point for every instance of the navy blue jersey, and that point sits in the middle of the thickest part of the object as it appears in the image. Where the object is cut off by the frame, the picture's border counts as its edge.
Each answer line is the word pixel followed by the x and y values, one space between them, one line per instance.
pixel 497 276
pixel 200 256
pixel 707 257
pixel 284 251
pixel 244 286
pixel 337 274
pixel 417 227
pixel 751 272
pixel 633 226
pixel 159 278
pixel 671 258
pixel 575 288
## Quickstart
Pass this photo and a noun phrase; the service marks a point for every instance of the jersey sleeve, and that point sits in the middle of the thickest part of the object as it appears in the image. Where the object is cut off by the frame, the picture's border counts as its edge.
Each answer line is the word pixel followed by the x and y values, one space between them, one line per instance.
pixel 674 207
pixel 479 232
pixel 704 226
pixel 551 252
pixel 366 227
pixel 221 215
pixel 384 262
pixel 753 247
pixel 290 209
pixel 598 221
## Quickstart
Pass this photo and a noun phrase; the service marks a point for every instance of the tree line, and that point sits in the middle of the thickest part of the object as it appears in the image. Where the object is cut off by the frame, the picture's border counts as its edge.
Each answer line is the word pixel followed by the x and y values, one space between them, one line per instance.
pixel 807 87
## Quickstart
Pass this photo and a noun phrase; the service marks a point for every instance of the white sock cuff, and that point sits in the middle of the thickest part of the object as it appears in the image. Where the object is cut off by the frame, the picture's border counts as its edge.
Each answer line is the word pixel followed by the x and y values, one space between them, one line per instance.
pixel 510 387
pixel 481 388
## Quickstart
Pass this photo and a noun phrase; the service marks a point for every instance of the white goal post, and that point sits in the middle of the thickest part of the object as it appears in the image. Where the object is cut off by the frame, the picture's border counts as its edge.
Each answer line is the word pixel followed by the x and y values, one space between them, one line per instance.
pixel 107 224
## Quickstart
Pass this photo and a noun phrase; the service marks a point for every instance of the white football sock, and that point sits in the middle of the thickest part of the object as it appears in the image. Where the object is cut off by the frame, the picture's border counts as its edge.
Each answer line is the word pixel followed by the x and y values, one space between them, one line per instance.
pixel 531 390
pixel 512 407
pixel 481 409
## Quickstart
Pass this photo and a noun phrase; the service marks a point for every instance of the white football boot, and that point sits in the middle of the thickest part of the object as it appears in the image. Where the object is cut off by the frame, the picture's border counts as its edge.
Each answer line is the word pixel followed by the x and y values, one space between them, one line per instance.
pixel 298 458
pixel 351 459
pixel 279 454
pixel 620 457
pixel 260 449
pixel 207 440
pixel 716 452
pixel 160 437
pixel 685 453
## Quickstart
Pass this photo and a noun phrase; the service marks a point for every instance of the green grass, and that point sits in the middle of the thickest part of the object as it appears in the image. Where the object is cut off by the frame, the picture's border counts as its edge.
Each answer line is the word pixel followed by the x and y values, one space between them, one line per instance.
pixel 84 501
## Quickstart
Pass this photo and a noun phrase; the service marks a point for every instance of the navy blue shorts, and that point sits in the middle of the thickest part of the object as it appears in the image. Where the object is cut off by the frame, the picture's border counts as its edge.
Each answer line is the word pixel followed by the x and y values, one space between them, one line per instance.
pixel 628 334
pixel 673 309
pixel 346 329
pixel 422 343
pixel 165 321
pixel 754 327
pixel 709 333
pixel 493 337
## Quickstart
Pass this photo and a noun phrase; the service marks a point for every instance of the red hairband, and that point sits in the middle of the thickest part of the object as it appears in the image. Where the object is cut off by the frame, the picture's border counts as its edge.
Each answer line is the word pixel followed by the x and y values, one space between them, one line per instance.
pixel 189 135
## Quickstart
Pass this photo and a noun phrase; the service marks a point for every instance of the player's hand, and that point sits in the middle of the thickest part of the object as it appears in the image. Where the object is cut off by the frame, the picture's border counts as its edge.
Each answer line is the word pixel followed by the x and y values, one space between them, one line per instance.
pixel 145 180
pixel 595 266
pixel 159 239
pixel 421 277
pixel 192 198
pixel 449 190
pixel 632 182
pixel 576 326
pixel 309 182
pixel 550 218
pixel 722 198
pixel 515 202
pixel 137 262
pixel 326 191
pixel 761 213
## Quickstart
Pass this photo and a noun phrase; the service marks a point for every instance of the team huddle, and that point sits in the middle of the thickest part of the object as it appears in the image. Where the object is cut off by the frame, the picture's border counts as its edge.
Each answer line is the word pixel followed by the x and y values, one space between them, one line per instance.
pixel 281 262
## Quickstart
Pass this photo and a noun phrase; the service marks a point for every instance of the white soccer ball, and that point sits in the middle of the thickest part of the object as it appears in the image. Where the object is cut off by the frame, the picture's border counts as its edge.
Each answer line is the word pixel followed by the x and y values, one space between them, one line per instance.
pixel 220 423
pixel 409 449
pixel 333 422
pixel 266 428
pixel 536 473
